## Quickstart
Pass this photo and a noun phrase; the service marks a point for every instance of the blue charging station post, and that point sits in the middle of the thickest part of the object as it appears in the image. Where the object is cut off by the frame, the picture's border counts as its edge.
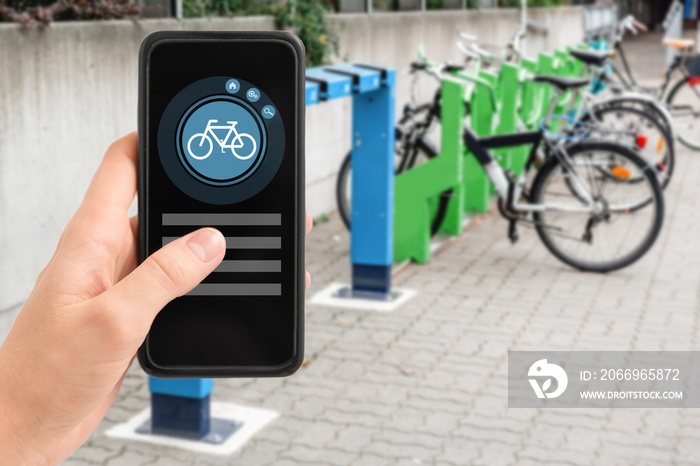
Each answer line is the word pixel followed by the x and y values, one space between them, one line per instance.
pixel 181 407
pixel 371 242
pixel 373 102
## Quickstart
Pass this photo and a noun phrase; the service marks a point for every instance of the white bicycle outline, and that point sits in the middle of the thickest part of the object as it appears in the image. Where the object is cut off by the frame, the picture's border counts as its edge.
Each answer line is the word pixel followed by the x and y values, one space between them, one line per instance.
pixel 222 143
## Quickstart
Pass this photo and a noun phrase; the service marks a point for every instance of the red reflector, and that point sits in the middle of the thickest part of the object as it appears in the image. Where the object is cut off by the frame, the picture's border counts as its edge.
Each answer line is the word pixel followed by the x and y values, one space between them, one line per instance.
pixel 661 166
pixel 642 141
pixel 694 80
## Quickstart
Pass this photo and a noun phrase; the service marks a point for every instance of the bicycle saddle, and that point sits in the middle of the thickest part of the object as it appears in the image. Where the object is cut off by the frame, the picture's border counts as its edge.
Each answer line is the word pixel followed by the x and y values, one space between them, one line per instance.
pixel 591 57
pixel 449 67
pixel 418 65
pixel 679 44
pixel 562 83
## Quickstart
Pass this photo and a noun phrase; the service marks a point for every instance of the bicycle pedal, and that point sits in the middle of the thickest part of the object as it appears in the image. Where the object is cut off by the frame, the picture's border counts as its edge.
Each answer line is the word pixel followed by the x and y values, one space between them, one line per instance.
pixel 512 232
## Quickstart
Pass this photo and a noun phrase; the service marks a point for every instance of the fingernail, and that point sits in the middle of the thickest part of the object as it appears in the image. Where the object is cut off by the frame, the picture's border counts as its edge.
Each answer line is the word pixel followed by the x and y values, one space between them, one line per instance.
pixel 206 244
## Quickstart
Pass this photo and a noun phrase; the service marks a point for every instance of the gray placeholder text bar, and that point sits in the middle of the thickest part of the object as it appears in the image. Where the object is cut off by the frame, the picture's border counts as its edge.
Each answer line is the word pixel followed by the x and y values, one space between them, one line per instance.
pixel 243 242
pixel 237 289
pixel 249 266
pixel 223 219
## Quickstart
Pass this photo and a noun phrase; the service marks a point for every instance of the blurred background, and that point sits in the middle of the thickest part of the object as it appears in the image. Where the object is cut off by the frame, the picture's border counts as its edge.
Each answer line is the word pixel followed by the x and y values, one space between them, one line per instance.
pixel 68 84
pixel 425 384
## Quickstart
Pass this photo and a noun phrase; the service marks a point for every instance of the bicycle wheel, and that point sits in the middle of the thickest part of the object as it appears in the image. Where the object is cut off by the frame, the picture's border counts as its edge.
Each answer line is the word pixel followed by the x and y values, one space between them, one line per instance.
pixel 248 148
pixel 654 107
pixel 424 150
pixel 342 190
pixel 641 131
pixel 617 232
pixel 201 150
pixel 684 104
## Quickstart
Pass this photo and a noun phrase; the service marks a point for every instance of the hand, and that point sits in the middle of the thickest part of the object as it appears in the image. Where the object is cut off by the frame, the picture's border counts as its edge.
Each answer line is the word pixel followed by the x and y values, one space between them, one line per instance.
pixel 66 355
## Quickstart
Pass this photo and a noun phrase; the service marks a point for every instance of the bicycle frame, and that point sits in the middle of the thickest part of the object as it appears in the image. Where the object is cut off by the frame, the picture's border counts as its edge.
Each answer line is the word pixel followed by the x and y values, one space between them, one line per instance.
pixel 511 190
pixel 590 101
pixel 631 83
pixel 231 130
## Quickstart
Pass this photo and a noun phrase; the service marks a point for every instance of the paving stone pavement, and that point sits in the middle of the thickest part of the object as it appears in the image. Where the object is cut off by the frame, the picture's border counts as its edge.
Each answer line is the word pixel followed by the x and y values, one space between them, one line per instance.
pixel 427 383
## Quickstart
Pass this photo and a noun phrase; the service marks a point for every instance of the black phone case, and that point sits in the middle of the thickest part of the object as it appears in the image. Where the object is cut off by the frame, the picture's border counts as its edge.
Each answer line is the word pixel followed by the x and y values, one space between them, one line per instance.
pixel 148 43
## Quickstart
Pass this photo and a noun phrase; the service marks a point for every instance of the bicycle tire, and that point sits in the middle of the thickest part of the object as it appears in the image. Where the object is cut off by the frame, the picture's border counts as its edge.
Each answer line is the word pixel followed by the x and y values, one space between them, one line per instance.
pixel 544 231
pixel 654 107
pixel 668 160
pixel 204 138
pixel 341 188
pixel 343 179
pixel 252 152
pixel 675 90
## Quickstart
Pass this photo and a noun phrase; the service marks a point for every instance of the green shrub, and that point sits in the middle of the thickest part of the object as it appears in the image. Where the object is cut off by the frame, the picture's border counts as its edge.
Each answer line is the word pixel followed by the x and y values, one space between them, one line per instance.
pixel 42 12
pixel 308 20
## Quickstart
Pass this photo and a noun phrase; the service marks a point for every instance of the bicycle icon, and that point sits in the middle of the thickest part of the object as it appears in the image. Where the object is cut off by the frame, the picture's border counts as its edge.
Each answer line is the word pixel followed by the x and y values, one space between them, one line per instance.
pixel 236 143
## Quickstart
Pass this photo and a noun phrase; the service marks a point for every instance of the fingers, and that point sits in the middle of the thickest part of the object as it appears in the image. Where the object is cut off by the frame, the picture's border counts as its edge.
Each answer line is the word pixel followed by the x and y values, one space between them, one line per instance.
pixel 168 273
pixel 134 224
pixel 126 262
pixel 114 183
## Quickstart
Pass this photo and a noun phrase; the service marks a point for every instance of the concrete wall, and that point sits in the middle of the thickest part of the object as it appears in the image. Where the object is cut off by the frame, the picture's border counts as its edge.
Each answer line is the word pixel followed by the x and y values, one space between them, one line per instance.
pixel 68 90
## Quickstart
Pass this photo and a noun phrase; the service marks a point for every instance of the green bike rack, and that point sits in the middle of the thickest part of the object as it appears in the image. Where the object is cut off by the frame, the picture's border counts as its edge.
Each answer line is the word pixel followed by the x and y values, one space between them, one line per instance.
pixel 498 103
pixel 483 107
pixel 512 158
pixel 414 188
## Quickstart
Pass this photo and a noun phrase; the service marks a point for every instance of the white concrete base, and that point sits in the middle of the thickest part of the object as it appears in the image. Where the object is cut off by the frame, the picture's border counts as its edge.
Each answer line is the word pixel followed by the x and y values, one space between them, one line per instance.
pixel 253 419
pixel 327 297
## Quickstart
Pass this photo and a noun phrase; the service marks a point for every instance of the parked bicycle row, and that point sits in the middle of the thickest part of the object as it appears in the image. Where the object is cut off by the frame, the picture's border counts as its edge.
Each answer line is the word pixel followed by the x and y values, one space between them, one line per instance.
pixel 566 144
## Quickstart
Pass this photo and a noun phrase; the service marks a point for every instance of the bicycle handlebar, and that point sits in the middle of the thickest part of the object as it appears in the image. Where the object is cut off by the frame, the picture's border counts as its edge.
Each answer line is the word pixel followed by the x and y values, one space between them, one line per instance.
pixel 468 37
pixel 481 52
pixel 418 65
pixel 641 27
pixel 629 23
pixel 468 53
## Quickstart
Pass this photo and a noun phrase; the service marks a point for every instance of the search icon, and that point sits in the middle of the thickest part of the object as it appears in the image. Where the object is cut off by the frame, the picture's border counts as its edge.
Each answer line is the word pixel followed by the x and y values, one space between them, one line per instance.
pixel 268 111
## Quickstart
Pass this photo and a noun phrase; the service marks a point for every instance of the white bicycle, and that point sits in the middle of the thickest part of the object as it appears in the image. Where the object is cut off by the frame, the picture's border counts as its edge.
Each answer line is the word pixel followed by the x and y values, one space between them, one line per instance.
pixel 236 143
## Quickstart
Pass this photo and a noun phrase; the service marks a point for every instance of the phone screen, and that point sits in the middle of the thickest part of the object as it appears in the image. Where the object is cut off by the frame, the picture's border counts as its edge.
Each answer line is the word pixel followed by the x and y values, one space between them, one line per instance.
pixel 223 148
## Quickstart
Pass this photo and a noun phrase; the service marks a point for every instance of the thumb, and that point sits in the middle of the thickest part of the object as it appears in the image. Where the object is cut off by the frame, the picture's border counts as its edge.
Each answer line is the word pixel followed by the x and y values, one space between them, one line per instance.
pixel 170 272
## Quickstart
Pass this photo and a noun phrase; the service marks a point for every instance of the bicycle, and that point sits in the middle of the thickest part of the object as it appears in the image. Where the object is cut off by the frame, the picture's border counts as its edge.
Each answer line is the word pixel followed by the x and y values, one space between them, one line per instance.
pixel 601 183
pixel 233 145
pixel 412 149
pixel 637 129
pixel 632 119
pixel 636 120
pixel 584 182
pixel 682 97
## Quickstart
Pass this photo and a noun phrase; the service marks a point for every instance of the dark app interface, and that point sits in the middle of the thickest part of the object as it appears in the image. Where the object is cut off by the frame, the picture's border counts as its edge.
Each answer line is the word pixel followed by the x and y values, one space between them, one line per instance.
pixel 221 154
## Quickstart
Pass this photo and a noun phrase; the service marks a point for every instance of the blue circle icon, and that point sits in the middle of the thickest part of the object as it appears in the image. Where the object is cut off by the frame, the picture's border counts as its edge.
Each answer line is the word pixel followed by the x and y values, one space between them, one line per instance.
pixel 214 144
pixel 221 141
pixel 268 112
pixel 252 94
pixel 232 86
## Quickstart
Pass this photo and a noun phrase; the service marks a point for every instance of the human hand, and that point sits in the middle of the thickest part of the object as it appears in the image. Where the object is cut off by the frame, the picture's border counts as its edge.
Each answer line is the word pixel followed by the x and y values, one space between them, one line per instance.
pixel 68 351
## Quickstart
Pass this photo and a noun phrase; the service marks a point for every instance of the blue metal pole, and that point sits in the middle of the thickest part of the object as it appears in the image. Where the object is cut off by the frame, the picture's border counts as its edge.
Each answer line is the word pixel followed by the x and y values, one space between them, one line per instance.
pixel 181 407
pixel 371 242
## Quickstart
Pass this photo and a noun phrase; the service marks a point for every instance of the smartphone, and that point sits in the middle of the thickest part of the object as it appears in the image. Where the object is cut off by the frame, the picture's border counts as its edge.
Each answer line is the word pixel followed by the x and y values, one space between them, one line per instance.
pixel 221 144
